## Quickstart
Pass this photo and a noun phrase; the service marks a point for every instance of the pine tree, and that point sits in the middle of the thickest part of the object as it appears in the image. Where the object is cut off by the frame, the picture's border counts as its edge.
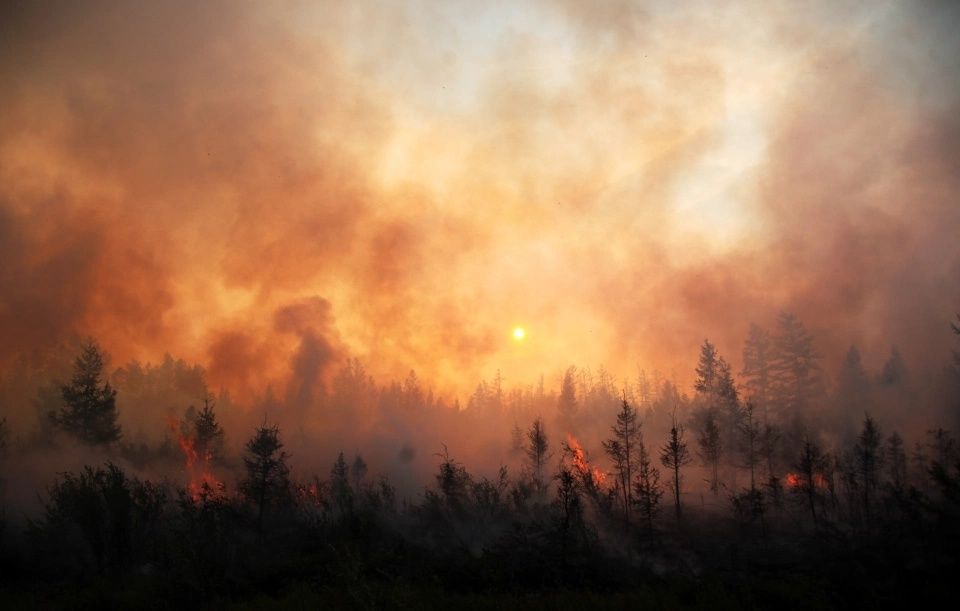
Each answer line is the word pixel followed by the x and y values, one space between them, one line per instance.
pixel 795 371
pixel 868 457
pixel 622 450
pixel 536 450
pixel 340 490
pixel 706 369
pixel 267 480
pixel 647 491
pixel 207 432
pixel 90 410
pixel 896 459
pixel 810 469
pixel 750 441
pixel 569 514
pixel 674 455
pixel 711 449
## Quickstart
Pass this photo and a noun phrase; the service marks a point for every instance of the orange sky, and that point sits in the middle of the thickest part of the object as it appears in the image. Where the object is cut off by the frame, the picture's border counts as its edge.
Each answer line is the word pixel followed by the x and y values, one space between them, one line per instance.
pixel 409 181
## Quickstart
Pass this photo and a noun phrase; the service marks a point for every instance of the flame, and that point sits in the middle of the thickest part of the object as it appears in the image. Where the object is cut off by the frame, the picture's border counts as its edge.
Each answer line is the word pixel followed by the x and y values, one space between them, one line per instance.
pixel 795 480
pixel 597 477
pixel 200 479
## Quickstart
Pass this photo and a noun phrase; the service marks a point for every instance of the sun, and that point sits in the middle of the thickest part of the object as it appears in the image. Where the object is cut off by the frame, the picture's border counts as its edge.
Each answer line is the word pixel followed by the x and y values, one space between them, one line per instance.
pixel 519 334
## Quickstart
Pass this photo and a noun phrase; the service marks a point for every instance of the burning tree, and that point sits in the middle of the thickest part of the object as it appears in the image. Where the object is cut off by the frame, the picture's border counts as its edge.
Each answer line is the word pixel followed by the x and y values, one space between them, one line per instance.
pixel 90 410
pixel 200 438
pixel 267 470
pixel 207 432
pixel 591 477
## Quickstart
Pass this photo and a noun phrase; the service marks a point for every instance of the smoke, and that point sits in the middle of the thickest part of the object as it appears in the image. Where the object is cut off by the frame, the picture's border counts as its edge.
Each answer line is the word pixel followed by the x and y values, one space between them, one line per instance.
pixel 622 179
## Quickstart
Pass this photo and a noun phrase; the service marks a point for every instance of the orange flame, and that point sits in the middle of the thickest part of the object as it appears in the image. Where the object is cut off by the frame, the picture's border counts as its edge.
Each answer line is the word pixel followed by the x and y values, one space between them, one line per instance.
pixel 795 480
pixel 597 477
pixel 200 479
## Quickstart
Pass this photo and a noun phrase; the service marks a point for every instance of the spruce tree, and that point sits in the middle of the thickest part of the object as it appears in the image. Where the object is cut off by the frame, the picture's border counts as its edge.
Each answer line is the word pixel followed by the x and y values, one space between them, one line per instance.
pixel 90 410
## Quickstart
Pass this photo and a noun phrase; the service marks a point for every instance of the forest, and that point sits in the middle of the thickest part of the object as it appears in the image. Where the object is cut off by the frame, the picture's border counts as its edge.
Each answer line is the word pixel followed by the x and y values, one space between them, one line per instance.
pixel 768 484
pixel 409 304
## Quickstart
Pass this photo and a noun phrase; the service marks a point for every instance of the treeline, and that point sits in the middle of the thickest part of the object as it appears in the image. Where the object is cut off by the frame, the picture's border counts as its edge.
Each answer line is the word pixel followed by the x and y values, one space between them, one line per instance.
pixel 758 488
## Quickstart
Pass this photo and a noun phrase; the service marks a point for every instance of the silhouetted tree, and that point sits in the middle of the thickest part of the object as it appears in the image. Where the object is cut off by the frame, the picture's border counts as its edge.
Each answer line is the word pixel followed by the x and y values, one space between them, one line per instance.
pixel 536 450
pixel 453 482
pixel 622 450
pixel 809 476
pixel 674 455
pixel 341 492
pixel 706 369
pixel 794 368
pixel 569 514
pixel 752 501
pixel 90 411
pixel 867 453
pixel 769 447
pixel 711 448
pixel 358 471
pixel 267 478
pixel 896 461
pixel 750 441
pixel 647 491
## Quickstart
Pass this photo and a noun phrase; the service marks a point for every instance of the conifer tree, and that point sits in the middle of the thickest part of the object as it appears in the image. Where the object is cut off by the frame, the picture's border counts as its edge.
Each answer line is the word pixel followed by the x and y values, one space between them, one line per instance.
pixel 90 411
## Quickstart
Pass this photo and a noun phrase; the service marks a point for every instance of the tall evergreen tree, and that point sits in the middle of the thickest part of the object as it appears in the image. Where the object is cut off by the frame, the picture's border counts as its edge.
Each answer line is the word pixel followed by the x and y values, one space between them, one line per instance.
pixel 536 450
pixel 711 449
pixel 810 473
pixel 622 450
pixel 706 369
pixel 868 457
pixel 647 491
pixel 90 410
pixel 674 455
pixel 207 432
pixel 267 480
pixel 795 369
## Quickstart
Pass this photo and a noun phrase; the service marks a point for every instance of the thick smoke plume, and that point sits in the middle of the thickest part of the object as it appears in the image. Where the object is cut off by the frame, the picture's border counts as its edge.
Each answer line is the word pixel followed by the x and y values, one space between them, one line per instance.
pixel 270 191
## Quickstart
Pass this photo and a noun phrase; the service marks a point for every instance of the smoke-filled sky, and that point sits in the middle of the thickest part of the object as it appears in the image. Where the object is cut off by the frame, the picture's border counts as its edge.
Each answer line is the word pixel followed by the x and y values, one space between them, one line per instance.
pixel 251 186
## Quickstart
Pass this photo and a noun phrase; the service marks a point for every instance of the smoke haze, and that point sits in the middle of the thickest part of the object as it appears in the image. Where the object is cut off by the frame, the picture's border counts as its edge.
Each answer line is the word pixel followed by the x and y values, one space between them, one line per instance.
pixel 267 191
